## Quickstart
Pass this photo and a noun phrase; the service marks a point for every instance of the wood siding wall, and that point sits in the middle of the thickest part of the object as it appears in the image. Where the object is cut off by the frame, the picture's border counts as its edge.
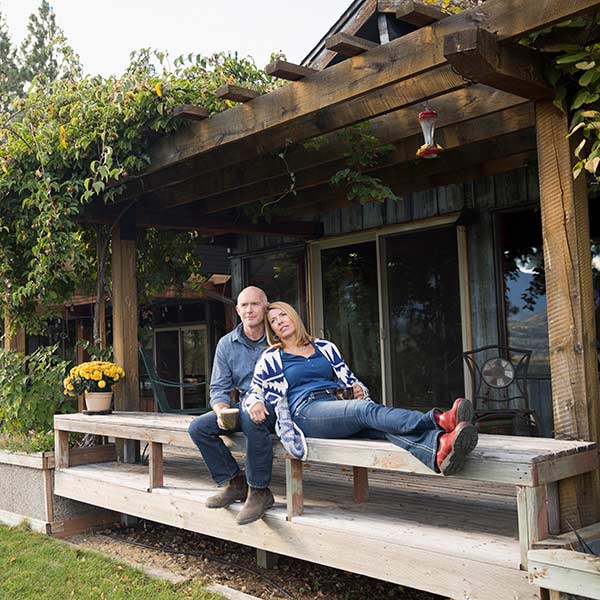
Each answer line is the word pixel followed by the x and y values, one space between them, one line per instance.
pixel 485 197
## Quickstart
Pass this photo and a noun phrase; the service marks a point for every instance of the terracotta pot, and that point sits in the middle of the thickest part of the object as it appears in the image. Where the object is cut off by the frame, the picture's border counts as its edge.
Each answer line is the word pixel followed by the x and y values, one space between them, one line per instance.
pixel 97 401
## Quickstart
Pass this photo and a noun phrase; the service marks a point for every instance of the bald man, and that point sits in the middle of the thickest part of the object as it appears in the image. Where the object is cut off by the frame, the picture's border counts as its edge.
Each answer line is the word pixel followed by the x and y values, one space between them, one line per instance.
pixel 235 358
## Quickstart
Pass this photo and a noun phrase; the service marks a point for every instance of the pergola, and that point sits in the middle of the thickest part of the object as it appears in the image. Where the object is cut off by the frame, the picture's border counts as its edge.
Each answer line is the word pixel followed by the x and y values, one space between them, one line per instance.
pixel 495 110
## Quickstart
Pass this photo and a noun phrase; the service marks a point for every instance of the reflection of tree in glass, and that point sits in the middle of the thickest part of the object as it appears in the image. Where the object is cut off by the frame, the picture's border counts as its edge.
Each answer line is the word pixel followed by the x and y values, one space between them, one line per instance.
pixel 350 309
pixel 525 258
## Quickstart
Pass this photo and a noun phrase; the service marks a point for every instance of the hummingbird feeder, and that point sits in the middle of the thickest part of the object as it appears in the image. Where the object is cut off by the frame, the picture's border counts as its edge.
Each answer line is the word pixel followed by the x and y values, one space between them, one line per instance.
pixel 429 149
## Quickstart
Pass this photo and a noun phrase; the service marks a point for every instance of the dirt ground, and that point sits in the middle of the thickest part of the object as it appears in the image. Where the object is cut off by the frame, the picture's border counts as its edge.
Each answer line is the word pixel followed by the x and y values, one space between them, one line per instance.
pixel 192 555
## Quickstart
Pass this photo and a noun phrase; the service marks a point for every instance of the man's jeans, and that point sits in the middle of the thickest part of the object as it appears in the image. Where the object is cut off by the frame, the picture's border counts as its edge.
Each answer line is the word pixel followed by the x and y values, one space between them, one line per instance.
pixel 205 433
pixel 326 417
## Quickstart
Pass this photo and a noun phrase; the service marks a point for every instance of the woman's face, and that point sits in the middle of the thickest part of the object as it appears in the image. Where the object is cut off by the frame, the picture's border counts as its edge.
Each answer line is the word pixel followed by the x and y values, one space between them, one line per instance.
pixel 281 324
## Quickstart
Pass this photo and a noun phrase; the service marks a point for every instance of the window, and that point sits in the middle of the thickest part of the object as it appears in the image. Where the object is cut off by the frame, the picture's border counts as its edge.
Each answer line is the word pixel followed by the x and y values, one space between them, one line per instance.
pixel 524 286
pixel 281 276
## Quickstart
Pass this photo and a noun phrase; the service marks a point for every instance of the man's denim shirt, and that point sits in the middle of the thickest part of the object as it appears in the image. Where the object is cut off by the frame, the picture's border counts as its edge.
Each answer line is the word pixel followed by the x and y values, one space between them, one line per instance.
pixel 233 365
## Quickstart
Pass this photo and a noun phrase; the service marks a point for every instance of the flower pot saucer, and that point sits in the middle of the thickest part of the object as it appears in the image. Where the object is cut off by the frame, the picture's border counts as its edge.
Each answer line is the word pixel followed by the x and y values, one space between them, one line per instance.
pixel 98 412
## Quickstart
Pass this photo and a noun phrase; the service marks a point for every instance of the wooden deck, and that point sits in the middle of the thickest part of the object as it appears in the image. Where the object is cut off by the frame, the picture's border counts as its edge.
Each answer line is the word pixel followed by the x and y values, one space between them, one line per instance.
pixel 414 531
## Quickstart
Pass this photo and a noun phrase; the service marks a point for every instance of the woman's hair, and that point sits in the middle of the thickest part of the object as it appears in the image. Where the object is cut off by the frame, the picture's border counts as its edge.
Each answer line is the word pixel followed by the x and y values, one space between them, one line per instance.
pixel 302 335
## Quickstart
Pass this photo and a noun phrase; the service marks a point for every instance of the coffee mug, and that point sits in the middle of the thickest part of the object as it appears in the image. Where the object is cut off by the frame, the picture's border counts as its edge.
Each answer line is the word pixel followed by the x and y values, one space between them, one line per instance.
pixel 229 417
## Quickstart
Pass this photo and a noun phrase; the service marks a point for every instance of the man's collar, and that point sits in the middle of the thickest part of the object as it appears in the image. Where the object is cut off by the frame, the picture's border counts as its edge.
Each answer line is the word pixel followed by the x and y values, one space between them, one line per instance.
pixel 240 336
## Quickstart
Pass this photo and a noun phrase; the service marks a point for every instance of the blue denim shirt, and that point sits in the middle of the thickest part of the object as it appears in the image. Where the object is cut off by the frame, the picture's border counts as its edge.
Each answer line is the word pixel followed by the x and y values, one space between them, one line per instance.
pixel 233 365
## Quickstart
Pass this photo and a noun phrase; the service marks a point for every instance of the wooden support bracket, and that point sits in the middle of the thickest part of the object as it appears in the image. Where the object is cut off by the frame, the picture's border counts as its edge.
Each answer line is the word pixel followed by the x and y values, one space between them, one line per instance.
pixel 476 55
pixel 349 45
pixel 236 93
pixel 190 112
pixel 419 13
pixel 287 70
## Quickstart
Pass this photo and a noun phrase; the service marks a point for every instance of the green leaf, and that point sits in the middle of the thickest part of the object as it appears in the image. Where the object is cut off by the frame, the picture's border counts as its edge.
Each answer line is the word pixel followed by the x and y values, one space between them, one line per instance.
pixel 584 97
pixel 586 65
pixel 571 58
pixel 589 77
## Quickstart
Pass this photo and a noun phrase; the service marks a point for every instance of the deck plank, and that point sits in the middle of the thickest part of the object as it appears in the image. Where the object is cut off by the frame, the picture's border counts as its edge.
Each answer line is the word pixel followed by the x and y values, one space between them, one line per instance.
pixel 412 535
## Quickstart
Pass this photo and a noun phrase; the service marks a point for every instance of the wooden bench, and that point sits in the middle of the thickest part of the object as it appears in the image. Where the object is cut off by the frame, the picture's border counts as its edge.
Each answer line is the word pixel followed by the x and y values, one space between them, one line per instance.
pixel 533 465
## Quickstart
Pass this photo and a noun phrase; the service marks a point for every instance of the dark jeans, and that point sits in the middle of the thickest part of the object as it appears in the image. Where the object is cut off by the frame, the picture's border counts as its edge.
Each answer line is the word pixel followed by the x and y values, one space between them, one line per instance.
pixel 205 433
pixel 326 417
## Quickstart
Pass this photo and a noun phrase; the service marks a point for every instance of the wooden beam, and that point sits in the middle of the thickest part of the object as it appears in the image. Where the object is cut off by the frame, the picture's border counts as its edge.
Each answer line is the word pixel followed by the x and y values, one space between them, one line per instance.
pixel 474 161
pixel 570 304
pixel 419 13
pixel 461 105
pixel 236 93
pixel 349 45
pixel 125 328
pixel 186 219
pixel 350 22
pixel 476 54
pixel 287 70
pixel 450 137
pixel 191 112
pixel 295 112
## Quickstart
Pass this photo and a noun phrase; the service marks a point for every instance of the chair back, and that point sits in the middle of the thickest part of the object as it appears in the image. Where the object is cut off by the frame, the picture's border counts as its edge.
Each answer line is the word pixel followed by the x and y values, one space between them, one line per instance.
pixel 157 389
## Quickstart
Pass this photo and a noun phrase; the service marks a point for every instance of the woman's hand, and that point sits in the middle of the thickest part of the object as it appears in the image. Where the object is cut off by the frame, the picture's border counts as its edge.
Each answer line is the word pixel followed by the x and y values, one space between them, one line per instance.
pixel 358 391
pixel 258 413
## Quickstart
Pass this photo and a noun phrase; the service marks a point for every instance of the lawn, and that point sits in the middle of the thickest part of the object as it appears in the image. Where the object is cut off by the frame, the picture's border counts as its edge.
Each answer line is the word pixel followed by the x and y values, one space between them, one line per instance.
pixel 36 567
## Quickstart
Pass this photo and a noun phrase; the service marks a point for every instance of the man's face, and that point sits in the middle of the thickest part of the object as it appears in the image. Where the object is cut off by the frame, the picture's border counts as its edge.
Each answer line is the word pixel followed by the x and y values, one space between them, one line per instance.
pixel 251 308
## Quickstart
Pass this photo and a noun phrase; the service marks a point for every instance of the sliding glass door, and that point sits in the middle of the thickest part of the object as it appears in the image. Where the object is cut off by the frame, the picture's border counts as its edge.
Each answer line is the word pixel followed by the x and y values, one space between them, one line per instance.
pixel 350 309
pixel 392 302
pixel 422 312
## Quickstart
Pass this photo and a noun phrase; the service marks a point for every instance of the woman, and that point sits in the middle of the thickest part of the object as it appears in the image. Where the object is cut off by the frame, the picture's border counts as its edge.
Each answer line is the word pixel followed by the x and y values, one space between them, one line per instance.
pixel 300 376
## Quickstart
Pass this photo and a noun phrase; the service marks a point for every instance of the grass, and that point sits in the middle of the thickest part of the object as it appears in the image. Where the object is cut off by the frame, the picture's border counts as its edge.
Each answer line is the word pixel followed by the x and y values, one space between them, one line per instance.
pixel 36 567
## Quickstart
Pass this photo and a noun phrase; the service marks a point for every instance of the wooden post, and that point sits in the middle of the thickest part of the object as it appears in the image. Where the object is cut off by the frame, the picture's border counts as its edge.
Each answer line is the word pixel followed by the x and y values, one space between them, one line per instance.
pixel 266 559
pixel 532 511
pixel 156 466
pixel 125 322
pixel 16 343
pixel 569 295
pixel 61 449
pixel 361 484
pixel 293 488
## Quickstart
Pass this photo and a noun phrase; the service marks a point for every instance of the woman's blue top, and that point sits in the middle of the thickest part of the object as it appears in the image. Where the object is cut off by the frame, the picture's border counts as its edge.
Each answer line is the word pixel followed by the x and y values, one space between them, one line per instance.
pixel 305 375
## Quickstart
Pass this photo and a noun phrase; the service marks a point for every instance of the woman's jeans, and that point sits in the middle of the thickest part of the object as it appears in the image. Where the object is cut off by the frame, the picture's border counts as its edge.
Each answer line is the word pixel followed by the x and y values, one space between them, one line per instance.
pixel 205 433
pixel 326 417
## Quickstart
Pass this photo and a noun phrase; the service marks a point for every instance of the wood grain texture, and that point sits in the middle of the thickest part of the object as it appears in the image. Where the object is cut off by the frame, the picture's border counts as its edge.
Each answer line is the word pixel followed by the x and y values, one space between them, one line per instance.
pixel 419 13
pixel 570 302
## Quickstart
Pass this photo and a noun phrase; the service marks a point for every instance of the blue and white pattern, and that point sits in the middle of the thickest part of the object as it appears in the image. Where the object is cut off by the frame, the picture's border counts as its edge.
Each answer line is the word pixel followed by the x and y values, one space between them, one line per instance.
pixel 270 385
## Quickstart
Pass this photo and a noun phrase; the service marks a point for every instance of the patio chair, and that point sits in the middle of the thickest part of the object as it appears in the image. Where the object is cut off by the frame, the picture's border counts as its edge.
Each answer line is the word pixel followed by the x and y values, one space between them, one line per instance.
pixel 159 385
pixel 500 395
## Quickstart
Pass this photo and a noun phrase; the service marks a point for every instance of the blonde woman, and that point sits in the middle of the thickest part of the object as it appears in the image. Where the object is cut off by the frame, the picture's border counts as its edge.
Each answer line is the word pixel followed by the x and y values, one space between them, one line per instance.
pixel 298 379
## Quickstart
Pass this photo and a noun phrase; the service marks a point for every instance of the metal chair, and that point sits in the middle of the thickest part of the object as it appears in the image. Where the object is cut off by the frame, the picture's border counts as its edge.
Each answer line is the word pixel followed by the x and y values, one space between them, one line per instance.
pixel 500 396
pixel 158 389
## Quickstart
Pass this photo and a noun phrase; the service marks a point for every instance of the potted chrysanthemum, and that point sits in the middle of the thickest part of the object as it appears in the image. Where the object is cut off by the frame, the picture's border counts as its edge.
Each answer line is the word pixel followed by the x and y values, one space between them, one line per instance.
pixel 95 379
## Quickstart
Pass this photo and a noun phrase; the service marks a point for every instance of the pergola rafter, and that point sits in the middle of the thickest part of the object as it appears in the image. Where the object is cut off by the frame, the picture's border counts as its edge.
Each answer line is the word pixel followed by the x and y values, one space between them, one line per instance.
pixel 349 92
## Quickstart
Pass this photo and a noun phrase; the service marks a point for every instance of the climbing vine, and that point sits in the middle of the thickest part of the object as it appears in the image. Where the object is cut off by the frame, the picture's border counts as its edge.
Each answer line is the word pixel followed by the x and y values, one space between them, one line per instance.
pixel 72 142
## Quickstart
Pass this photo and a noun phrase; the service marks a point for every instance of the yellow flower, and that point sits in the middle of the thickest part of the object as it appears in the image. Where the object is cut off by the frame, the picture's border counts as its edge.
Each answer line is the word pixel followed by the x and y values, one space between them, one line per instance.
pixel 62 136
pixel 158 90
pixel 102 384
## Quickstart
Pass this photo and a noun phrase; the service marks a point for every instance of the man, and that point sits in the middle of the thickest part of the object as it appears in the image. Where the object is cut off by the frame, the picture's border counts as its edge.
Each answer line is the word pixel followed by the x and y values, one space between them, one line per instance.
pixel 235 358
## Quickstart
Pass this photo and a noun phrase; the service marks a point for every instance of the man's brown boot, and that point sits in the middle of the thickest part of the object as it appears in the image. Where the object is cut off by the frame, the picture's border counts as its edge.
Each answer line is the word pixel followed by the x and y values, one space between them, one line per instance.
pixel 236 489
pixel 258 502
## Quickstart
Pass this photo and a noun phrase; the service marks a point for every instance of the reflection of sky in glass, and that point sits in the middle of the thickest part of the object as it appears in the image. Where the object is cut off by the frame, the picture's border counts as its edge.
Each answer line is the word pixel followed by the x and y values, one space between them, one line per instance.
pixel 515 288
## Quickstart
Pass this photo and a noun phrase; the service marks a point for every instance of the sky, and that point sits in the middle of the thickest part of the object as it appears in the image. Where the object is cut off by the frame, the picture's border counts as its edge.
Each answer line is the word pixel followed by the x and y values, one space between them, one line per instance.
pixel 104 33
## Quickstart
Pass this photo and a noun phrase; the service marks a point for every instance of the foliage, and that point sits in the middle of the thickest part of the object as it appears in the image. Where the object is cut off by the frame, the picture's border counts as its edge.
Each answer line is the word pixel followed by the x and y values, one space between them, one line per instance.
pixel 33 441
pixel 103 354
pixel 45 53
pixel 71 145
pixel 363 151
pixel 92 376
pixel 575 74
pixel 10 81
pixel 30 390
pixel 35 566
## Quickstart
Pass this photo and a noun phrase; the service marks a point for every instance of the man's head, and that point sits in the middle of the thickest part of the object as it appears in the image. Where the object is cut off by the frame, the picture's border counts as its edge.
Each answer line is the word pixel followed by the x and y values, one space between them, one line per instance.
pixel 251 305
